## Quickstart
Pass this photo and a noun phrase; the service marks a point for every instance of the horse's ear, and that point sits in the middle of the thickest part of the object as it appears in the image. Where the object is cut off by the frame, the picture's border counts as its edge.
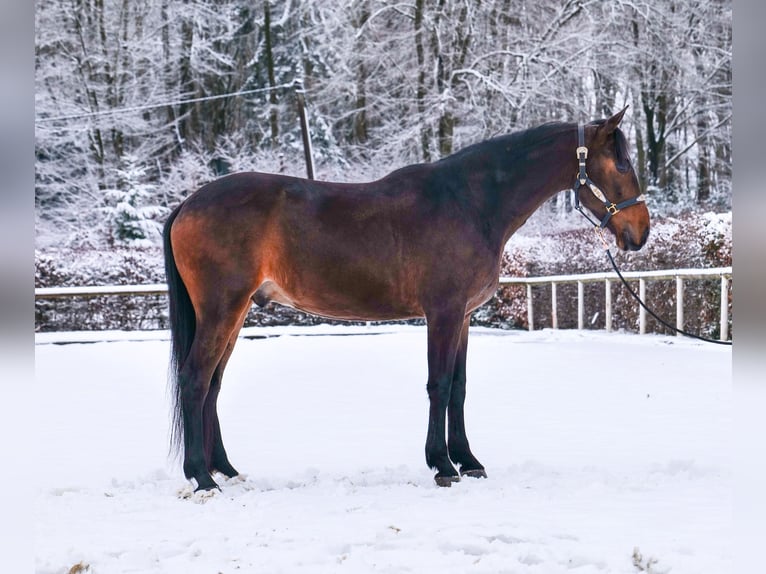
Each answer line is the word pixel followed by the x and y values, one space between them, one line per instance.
pixel 611 124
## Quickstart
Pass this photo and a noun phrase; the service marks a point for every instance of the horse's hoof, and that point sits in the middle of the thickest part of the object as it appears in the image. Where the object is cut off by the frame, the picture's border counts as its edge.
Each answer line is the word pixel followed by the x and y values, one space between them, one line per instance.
pixel 474 473
pixel 211 489
pixel 198 494
pixel 446 481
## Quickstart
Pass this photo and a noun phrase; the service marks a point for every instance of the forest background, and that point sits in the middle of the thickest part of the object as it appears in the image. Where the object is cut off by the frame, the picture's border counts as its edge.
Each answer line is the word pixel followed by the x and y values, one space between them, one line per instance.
pixel 139 102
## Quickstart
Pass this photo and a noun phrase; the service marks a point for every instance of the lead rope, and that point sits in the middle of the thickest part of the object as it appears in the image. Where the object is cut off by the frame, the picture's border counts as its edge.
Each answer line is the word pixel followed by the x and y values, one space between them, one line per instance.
pixel 652 313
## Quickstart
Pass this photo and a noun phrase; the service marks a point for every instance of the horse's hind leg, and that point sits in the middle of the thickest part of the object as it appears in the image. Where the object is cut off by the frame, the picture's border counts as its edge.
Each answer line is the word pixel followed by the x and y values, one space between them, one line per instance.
pixel 217 321
pixel 215 453
pixel 459 451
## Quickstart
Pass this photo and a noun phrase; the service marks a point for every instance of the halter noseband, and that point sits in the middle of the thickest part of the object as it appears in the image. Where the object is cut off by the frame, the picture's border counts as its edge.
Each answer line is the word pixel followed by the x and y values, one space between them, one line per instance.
pixel 583 180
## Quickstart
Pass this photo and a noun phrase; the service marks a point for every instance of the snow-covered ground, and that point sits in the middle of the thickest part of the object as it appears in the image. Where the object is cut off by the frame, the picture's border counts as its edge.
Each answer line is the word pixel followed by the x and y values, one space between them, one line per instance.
pixel 605 453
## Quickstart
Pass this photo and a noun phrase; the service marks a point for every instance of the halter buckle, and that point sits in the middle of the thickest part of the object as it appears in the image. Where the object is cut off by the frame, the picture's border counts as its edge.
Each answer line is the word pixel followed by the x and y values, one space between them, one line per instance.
pixel 612 209
pixel 582 150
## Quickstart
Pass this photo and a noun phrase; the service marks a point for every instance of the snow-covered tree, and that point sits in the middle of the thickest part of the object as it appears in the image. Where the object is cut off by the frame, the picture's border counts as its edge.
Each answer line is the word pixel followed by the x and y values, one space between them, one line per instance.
pixel 130 210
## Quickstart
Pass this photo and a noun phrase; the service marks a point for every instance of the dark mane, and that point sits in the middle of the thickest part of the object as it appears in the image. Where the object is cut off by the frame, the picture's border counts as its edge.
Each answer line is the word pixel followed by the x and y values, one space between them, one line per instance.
pixel 488 167
pixel 514 143
pixel 539 134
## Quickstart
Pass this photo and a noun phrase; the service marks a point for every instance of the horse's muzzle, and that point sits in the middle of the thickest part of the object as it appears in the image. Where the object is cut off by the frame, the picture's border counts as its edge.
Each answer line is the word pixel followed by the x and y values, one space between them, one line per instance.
pixel 629 243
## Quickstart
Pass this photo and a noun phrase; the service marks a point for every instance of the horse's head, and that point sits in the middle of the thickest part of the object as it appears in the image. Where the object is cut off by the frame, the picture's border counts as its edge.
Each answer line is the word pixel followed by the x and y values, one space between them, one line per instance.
pixel 612 192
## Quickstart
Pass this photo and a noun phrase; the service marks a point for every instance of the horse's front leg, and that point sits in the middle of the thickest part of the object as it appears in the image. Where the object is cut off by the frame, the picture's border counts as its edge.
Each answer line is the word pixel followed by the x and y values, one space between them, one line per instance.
pixel 459 450
pixel 444 329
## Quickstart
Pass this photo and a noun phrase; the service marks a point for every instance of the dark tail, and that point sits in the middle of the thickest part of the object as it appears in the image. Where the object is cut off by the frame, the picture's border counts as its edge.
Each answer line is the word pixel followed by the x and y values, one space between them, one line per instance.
pixel 182 327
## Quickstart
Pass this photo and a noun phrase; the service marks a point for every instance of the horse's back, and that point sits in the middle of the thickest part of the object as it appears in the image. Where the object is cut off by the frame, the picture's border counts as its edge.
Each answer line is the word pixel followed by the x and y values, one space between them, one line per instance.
pixel 337 250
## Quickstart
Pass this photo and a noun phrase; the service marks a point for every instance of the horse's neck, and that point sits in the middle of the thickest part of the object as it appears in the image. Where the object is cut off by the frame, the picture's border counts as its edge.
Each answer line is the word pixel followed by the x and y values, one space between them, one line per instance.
pixel 539 182
pixel 520 186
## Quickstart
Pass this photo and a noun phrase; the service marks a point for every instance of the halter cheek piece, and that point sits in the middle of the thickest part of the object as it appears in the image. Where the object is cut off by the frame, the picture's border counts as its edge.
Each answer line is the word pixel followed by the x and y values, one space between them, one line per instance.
pixel 582 179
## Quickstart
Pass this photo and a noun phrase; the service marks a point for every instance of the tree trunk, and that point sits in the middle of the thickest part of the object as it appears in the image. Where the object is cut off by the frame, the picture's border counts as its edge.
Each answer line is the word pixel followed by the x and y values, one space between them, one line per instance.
pixel 654 112
pixel 445 82
pixel 359 130
pixel 273 114
pixel 640 148
pixel 169 68
pixel 426 133
pixel 187 120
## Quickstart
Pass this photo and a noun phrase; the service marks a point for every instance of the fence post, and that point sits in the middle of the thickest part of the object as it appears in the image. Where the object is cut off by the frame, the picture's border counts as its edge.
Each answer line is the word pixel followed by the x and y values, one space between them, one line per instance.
pixel 724 308
pixel 307 150
pixel 608 303
pixel 580 305
pixel 554 310
pixel 641 310
pixel 530 313
pixel 679 303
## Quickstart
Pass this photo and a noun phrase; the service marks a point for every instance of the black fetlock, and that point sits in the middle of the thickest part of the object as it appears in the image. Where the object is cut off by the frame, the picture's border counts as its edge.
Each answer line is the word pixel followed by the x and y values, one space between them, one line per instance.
pixel 205 482
pixel 196 470
pixel 461 454
pixel 446 473
pixel 225 468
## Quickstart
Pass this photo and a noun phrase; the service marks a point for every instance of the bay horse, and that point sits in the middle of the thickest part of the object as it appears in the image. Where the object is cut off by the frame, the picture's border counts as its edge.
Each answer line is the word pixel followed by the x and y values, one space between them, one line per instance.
pixel 424 241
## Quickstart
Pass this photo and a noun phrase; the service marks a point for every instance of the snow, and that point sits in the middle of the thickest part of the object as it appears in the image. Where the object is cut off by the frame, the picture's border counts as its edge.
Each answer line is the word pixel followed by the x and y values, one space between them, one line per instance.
pixel 605 453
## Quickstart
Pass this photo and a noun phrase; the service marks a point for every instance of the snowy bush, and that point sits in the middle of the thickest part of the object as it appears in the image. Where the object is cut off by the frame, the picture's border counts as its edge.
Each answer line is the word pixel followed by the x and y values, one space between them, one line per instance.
pixel 508 308
pixel 120 266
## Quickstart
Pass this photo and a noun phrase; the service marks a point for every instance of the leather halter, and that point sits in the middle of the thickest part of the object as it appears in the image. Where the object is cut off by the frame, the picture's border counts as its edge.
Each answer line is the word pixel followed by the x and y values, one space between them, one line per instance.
pixel 582 179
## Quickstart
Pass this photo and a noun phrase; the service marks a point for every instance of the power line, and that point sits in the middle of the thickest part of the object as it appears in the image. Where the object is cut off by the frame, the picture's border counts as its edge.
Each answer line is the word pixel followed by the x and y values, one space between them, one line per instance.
pixel 160 105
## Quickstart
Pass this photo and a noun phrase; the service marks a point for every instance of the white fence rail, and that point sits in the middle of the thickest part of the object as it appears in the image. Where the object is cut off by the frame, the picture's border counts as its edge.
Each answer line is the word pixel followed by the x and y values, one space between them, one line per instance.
pixel 100 290
pixel 677 275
